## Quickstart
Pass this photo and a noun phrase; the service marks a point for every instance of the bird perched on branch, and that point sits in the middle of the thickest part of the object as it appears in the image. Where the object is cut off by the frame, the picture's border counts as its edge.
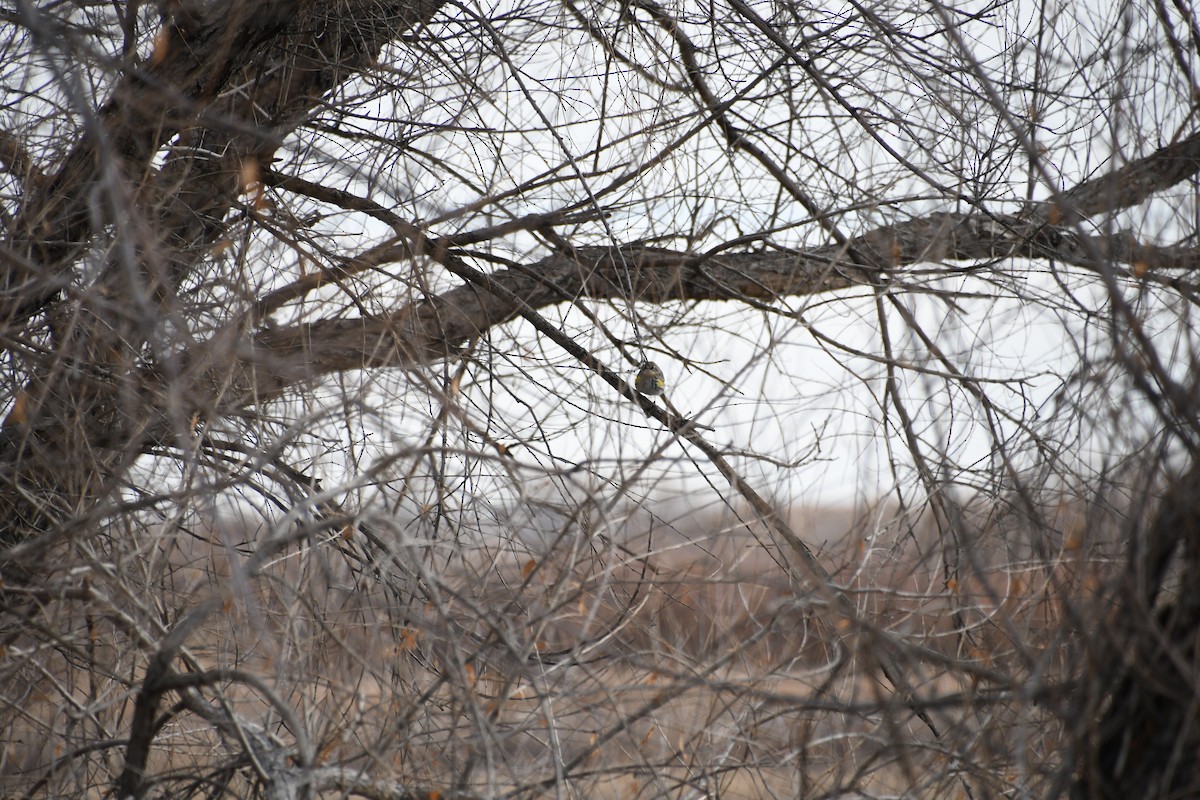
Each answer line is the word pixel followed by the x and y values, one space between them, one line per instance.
pixel 649 380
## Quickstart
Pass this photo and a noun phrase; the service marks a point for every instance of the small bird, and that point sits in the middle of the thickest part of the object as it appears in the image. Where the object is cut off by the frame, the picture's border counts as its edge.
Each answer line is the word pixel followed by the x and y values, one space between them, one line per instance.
pixel 649 380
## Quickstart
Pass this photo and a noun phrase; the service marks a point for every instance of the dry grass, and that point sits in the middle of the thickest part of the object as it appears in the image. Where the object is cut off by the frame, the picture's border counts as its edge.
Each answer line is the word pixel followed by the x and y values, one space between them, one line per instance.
pixel 702 667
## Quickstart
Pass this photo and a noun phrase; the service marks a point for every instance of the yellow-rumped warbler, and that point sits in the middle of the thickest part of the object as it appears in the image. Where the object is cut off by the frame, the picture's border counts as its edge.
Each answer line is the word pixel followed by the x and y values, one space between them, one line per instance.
pixel 649 379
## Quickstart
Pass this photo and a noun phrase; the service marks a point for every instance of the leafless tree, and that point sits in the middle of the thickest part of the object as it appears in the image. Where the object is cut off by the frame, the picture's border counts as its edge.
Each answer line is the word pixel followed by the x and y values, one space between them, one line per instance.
pixel 324 472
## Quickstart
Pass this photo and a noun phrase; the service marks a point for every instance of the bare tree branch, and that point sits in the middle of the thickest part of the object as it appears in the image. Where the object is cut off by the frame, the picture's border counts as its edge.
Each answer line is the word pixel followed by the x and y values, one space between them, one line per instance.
pixel 430 330
pixel 1135 182
pixel 206 55
pixel 331 310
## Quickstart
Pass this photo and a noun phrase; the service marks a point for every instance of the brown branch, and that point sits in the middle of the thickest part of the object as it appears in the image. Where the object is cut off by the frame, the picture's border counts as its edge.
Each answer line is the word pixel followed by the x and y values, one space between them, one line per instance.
pixel 1138 180
pixel 193 59
pixel 429 330
pixel 1139 737
pixel 280 56
pixel 156 682
pixel 226 87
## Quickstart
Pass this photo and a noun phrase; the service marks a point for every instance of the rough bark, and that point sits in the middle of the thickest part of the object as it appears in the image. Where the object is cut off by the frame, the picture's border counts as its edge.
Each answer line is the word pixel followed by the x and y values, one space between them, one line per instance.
pixel 226 82
pixel 428 330
pixel 1142 737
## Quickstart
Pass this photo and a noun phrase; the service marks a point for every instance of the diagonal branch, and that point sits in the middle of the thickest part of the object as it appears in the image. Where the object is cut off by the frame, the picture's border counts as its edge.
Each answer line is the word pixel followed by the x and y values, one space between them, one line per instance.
pixel 1138 180
pixel 247 71
pixel 224 87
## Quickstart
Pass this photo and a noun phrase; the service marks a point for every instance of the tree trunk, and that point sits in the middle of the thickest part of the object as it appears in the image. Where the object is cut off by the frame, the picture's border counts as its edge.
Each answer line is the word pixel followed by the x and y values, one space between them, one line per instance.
pixel 1146 741
pixel 226 82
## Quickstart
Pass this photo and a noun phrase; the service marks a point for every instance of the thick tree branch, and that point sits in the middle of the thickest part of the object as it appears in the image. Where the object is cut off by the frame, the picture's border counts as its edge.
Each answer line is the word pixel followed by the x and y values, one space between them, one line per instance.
pixel 1141 729
pixel 429 330
pixel 248 71
pixel 226 81
pixel 1135 182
